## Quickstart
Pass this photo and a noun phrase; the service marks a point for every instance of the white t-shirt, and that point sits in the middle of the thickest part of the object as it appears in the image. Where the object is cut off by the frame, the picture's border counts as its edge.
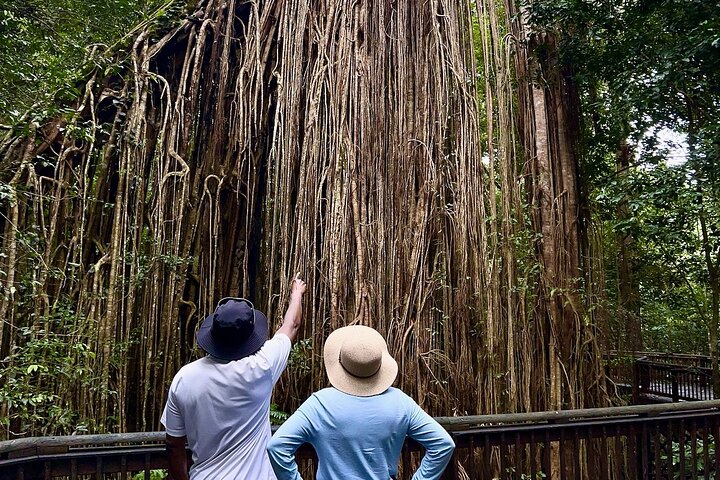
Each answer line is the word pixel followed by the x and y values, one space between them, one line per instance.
pixel 223 408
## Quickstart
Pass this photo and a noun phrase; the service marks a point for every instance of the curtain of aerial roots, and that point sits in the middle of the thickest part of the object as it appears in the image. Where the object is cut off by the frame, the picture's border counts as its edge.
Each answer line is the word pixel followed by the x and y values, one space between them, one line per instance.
pixel 339 139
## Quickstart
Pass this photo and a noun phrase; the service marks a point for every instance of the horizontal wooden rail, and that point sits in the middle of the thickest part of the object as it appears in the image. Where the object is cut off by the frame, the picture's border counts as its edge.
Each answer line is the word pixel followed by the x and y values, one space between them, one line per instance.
pixel 647 441
pixel 453 423
pixel 663 357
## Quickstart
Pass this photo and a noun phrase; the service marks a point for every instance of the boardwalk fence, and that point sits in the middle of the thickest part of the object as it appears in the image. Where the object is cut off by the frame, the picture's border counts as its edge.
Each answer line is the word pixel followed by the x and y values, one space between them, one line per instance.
pixel 666 441
pixel 653 377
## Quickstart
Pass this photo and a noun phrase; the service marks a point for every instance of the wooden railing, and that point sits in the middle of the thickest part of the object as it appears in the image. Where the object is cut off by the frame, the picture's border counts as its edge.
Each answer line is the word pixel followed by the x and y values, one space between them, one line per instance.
pixel 639 442
pixel 686 359
pixel 673 381
pixel 654 377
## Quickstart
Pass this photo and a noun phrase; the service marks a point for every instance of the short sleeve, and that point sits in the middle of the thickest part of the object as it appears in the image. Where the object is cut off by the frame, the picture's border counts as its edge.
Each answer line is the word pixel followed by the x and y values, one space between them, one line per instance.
pixel 172 415
pixel 276 352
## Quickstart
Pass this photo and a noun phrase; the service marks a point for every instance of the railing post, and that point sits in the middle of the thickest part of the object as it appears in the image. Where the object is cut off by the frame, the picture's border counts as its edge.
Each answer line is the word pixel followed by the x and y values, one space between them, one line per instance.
pixel 636 382
pixel 643 448
pixel 675 386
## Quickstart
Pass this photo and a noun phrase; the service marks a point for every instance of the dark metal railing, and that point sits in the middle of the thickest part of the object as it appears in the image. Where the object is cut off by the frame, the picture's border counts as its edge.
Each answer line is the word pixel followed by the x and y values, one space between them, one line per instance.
pixel 82 456
pixel 639 442
pixel 654 378
pixel 686 359
pixel 673 381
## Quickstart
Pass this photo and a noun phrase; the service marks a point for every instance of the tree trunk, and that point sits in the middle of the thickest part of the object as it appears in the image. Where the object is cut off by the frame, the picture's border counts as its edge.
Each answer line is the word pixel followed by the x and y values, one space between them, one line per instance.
pixel 712 266
pixel 549 122
pixel 628 308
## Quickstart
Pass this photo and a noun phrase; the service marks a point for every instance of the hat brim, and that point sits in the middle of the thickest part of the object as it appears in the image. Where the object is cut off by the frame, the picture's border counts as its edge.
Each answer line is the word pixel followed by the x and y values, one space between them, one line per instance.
pixel 347 383
pixel 233 352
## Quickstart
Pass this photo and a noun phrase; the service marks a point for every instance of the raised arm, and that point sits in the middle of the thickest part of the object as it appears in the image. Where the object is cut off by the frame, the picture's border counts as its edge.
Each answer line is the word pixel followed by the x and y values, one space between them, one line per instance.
pixel 293 316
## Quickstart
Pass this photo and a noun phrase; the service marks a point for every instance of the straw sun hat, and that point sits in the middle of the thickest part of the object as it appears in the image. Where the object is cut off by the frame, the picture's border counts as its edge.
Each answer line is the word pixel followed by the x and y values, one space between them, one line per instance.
pixel 357 361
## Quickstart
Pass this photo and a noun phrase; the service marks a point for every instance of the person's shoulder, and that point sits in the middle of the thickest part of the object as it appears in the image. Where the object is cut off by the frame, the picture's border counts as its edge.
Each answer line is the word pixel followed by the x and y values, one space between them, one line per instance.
pixel 400 398
pixel 397 393
pixel 317 401
pixel 194 367
pixel 326 396
pixel 273 350
pixel 189 373
pixel 328 392
pixel 278 343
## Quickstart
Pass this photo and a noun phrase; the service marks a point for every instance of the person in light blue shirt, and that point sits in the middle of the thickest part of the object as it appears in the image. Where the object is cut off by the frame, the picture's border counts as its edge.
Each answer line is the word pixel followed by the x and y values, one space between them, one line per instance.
pixel 358 426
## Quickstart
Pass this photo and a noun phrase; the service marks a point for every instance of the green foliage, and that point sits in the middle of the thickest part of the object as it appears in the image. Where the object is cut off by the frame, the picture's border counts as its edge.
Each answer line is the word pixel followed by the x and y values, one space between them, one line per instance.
pixel 640 67
pixel 619 361
pixel 694 458
pixel 37 373
pixel 300 359
pixel 154 475
pixel 529 476
pixel 48 47
pixel 277 416
pixel 664 208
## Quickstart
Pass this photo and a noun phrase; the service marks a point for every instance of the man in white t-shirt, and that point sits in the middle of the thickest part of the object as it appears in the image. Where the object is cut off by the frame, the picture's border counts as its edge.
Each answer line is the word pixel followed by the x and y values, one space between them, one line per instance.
pixel 220 404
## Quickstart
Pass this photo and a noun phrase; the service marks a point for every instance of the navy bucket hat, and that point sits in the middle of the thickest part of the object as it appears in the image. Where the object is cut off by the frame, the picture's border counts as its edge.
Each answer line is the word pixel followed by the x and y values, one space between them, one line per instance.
pixel 234 330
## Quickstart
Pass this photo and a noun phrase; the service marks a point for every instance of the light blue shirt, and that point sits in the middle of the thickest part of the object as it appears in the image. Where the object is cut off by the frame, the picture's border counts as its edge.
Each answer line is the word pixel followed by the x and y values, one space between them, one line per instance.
pixel 359 438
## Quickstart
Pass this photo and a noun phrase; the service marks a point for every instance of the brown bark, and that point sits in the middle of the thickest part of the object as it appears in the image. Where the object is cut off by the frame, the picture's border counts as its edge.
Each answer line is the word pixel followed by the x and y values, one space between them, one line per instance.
pixel 713 266
pixel 550 127
pixel 628 314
